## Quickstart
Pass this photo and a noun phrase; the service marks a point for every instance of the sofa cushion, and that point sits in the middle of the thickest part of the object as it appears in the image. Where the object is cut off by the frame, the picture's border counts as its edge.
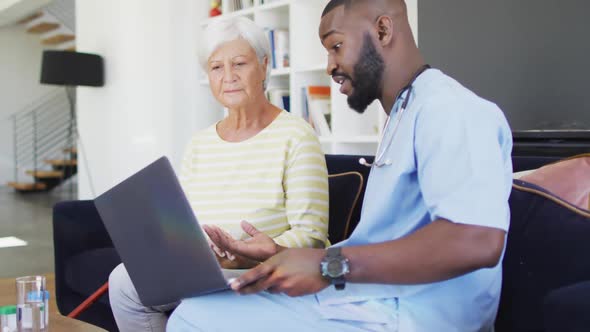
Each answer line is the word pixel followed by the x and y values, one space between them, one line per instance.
pixel 342 164
pixel 569 179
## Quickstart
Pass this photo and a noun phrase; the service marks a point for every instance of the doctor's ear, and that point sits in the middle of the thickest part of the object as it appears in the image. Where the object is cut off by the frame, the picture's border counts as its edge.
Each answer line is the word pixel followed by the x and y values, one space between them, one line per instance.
pixel 384 25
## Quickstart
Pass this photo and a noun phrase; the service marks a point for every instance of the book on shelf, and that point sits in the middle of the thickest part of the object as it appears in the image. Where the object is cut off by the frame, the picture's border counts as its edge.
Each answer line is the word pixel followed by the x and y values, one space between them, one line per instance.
pixel 279 97
pixel 279 47
pixel 317 108
pixel 304 107
pixel 234 5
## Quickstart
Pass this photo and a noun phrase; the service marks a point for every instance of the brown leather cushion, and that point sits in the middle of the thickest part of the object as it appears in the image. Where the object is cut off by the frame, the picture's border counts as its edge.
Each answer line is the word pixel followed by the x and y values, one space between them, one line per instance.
pixel 568 179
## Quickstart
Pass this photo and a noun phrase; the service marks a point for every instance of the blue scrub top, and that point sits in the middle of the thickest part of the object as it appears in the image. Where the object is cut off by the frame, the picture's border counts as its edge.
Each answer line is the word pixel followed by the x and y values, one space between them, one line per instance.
pixel 450 159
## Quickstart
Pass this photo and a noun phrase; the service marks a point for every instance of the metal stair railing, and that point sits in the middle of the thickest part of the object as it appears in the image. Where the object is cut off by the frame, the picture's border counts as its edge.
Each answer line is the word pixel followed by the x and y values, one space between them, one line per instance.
pixel 42 130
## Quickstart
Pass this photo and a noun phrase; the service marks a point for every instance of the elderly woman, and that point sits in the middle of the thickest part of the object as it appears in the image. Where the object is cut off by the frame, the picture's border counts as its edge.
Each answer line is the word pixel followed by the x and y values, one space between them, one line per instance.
pixel 258 175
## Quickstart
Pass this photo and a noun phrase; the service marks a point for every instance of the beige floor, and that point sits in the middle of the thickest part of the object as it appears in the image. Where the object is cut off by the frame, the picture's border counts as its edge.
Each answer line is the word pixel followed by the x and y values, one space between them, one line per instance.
pixel 28 217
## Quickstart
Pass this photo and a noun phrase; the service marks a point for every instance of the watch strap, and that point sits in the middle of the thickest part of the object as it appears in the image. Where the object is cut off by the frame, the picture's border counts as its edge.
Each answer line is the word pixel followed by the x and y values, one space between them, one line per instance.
pixel 333 252
pixel 336 252
pixel 339 283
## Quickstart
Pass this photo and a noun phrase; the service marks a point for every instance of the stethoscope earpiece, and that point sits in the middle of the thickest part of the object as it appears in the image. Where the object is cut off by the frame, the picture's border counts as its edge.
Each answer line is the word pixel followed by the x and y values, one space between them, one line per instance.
pixel 364 162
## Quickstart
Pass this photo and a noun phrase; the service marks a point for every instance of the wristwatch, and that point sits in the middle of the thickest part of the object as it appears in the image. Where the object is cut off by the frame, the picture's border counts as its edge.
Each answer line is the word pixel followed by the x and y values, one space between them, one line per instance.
pixel 334 267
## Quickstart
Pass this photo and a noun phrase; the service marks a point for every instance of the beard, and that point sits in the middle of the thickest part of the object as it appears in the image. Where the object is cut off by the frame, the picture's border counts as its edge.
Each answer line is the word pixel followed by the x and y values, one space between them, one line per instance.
pixel 368 74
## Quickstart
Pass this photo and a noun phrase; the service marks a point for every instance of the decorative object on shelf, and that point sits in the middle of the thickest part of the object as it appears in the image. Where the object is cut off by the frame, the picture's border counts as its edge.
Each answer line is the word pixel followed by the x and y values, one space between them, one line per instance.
pixel 215 8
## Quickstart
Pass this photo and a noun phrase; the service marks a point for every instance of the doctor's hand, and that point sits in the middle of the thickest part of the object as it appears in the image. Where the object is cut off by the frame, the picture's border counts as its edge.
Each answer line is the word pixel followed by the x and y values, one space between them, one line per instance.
pixel 295 272
pixel 258 246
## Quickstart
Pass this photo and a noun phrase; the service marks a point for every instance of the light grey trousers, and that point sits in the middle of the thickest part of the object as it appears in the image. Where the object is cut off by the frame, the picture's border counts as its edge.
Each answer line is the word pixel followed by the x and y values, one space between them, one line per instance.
pixel 130 314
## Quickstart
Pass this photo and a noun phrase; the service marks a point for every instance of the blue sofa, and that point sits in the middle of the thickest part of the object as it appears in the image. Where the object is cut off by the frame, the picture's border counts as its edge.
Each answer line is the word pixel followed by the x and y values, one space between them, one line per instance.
pixel 84 255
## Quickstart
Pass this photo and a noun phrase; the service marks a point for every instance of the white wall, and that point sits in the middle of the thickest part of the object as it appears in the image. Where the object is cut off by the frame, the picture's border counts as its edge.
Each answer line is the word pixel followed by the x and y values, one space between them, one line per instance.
pixel 20 67
pixel 148 106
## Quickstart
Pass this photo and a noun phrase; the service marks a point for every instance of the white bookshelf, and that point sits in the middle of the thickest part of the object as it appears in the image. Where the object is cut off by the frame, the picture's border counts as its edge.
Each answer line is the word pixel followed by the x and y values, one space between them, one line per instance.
pixel 352 133
pixel 280 72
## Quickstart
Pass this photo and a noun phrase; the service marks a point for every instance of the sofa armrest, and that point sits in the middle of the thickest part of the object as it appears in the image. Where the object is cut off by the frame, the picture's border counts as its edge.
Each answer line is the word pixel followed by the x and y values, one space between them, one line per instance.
pixel 545 249
pixel 79 238
pixel 77 227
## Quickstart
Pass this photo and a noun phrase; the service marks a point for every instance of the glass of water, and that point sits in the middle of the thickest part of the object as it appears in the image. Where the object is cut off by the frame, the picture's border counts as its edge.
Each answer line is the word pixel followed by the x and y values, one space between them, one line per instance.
pixel 31 313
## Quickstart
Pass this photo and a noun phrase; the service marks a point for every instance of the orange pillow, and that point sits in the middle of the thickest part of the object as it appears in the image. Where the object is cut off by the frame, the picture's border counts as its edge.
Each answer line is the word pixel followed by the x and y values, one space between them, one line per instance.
pixel 568 179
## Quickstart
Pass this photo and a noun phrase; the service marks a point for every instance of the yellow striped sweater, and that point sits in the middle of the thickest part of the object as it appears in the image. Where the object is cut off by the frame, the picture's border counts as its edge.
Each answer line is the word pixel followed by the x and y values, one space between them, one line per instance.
pixel 276 180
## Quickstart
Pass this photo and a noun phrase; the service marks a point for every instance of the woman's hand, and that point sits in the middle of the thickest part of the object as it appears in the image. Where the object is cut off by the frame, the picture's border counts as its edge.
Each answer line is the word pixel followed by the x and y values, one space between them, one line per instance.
pixel 230 261
pixel 236 262
pixel 258 247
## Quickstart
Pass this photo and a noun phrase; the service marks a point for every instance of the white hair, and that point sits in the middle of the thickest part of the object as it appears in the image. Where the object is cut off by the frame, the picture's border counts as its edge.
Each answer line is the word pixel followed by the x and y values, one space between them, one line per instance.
pixel 230 29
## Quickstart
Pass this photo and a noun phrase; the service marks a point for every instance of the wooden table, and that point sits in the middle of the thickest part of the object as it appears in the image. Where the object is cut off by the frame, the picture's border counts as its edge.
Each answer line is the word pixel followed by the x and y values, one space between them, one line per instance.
pixel 57 322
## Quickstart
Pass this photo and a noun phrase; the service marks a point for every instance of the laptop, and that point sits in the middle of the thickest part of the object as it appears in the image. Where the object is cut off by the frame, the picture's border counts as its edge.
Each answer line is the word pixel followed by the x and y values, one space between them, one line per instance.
pixel 158 238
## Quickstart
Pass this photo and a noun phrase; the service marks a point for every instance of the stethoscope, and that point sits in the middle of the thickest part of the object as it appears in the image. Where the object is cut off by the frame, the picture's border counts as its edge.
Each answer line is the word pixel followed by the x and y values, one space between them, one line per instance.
pixel 379 162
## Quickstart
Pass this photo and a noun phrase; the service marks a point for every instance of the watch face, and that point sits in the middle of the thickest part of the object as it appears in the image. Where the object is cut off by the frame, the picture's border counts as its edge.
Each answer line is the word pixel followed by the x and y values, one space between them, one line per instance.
pixel 334 268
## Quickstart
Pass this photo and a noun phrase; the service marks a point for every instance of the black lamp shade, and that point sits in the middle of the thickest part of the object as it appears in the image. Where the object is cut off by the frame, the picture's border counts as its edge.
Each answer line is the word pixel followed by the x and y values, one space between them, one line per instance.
pixel 72 68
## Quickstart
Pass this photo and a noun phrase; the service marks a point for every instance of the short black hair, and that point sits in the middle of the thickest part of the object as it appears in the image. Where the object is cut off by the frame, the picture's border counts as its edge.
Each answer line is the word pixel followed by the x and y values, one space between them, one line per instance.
pixel 335 3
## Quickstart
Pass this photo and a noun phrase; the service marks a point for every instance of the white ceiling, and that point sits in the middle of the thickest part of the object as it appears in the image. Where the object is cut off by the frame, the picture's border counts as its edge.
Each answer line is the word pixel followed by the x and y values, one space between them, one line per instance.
pixel 11 11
